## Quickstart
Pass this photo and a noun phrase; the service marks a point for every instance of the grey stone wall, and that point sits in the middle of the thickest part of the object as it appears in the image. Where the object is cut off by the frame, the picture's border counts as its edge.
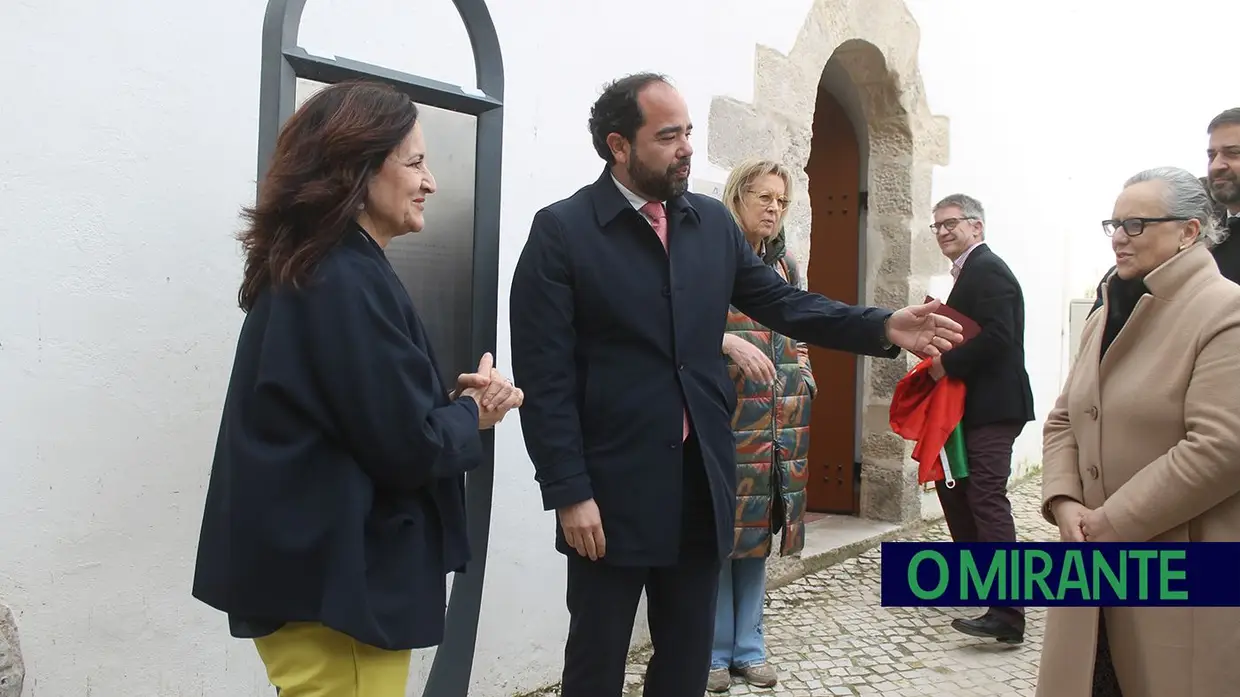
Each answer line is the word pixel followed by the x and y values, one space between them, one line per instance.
pixel 12 670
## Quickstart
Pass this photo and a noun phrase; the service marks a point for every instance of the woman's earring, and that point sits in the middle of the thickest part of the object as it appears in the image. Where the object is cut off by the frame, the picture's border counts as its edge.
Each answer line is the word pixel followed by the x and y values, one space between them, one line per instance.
pixel 361 206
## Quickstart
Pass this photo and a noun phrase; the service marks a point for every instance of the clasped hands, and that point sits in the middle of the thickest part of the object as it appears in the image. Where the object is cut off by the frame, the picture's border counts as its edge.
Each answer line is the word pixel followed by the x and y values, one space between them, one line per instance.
pixel 495 395
pixel 1079 523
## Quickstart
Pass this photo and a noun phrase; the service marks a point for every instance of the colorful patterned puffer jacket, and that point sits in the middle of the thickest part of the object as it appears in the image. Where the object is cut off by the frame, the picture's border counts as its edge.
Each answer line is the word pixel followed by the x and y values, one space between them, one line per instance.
pixel 771 425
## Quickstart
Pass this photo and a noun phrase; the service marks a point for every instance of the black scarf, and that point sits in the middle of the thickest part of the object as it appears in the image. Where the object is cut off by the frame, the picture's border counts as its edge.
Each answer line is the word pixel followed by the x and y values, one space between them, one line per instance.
pixel 1227 253
pixel 1122 297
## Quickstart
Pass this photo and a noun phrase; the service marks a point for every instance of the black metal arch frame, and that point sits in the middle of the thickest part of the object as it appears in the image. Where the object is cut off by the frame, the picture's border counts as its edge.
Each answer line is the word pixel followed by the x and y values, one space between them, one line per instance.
pixel 283 61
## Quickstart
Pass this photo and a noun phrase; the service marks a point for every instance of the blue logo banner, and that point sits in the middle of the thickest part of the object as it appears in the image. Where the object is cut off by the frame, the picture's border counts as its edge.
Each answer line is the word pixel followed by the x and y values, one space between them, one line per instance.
pixel 948 574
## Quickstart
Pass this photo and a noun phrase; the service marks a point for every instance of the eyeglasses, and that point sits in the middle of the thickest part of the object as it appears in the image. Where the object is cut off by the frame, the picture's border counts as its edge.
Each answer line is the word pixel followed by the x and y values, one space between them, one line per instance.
pixel 766 199
pixel 1135 226
pixel 949 223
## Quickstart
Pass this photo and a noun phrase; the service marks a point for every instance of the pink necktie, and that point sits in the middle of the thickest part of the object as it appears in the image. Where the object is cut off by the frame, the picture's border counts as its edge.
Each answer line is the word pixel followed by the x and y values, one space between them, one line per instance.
pixel 658 220
pixel 657 216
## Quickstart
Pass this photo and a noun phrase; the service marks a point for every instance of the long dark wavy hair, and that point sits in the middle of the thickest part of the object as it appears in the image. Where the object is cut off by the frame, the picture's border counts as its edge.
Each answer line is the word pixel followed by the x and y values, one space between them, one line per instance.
pixel 323 161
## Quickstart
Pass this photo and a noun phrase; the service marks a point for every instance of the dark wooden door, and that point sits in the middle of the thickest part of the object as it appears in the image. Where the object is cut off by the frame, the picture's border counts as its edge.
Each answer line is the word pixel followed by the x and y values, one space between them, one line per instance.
pixel 834 170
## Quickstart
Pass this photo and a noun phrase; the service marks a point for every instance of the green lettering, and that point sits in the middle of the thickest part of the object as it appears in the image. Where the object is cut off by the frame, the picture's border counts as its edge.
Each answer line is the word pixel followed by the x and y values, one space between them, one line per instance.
pixel 970 578
pixel 1166 575
pixel 1073 576
pixel 1039 576
pixel 1143 577
pixel 944 575
pixel 1102 567
pixel 1014 577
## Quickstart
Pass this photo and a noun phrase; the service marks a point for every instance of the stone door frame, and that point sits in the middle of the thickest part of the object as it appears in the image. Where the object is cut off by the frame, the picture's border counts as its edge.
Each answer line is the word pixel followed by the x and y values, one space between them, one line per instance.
pixel 874 44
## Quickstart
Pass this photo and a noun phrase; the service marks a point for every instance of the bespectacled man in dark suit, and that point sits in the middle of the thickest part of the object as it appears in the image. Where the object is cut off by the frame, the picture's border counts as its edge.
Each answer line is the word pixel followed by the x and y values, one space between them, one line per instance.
pixel 998 397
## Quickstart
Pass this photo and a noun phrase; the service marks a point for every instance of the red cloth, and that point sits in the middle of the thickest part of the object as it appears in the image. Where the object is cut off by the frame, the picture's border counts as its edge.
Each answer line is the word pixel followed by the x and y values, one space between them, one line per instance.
pixel 926 410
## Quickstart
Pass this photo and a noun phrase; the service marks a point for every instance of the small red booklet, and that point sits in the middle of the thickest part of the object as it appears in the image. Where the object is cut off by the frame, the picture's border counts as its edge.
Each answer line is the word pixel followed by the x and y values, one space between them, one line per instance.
pixel 969 328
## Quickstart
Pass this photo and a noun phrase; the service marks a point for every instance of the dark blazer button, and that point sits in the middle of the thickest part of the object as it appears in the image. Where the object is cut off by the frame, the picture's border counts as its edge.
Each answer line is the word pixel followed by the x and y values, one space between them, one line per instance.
pixel 667 292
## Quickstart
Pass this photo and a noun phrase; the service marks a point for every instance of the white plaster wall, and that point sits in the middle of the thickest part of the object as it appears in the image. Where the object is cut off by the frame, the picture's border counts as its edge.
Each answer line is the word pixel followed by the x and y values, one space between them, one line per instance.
pixel 1052 106
pixel 129 143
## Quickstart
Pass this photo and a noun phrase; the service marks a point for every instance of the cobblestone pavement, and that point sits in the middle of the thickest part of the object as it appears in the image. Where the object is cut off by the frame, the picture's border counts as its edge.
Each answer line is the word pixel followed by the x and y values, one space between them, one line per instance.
pixel 828 634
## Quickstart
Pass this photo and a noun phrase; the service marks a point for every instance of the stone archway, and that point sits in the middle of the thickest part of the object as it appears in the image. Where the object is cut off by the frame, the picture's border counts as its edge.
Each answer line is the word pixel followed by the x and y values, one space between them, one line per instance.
pixel 874 43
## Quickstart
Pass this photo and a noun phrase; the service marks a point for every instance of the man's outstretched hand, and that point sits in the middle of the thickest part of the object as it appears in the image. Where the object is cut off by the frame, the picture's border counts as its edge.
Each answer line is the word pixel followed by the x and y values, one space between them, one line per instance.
pixel 918 329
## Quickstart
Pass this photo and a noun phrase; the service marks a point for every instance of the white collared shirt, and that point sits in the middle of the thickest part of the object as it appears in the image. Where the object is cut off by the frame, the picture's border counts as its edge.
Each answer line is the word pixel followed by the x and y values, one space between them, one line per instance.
pixel 634 200
pixel 958 264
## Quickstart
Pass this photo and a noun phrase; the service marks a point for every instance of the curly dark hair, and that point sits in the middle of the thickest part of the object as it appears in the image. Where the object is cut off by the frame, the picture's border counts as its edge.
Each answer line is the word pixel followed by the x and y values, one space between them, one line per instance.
pixel 323 161
pixel 617 111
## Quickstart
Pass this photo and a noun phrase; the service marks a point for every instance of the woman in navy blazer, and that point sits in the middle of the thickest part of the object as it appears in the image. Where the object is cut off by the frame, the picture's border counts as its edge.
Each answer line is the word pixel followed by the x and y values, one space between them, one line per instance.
pixel 335 508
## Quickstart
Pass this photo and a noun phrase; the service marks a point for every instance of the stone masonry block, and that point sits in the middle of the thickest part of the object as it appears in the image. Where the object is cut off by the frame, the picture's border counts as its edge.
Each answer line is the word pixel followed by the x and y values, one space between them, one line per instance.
pixel 884 374
pixel 12 669
pixel 892 294
pixel 737 132
pixel 781 86
pixel 896 239
pixel 889 492
pixel 883 446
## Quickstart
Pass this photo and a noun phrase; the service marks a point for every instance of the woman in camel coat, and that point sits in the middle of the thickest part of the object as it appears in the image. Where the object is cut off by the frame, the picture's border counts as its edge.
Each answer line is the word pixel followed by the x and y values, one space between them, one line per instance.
pixel 1144 445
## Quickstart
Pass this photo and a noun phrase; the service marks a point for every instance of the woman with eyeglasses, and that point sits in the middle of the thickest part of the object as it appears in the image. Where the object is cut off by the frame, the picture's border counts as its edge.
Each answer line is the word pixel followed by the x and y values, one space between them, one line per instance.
pixel 774 387
pixel 1225 255
pixel 1143 445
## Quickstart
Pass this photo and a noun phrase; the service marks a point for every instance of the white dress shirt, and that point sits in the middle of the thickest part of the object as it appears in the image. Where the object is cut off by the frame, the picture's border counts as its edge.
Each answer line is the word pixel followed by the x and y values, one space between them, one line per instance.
pixel 958 264
pixel 634 200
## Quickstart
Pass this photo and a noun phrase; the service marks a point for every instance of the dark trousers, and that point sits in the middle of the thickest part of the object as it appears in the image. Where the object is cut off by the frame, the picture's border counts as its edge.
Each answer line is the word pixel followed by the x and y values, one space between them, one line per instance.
pixel 1106 681
pixel 977 509
pixel 603 599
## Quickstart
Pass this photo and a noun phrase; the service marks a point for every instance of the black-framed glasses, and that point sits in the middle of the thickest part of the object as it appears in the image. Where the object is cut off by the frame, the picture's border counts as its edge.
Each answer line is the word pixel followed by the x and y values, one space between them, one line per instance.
pixel 949 223
pixel 1135 226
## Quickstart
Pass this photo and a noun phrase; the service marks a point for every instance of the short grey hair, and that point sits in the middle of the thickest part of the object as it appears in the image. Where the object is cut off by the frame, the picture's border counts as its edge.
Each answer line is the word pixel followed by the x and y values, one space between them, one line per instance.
pixel 971 207
pixel 1230 117
pixel 1184 197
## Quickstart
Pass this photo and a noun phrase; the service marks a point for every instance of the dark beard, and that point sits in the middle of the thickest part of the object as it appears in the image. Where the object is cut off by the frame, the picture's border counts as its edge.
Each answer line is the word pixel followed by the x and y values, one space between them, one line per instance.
pixel 1228 195
pixel 663 186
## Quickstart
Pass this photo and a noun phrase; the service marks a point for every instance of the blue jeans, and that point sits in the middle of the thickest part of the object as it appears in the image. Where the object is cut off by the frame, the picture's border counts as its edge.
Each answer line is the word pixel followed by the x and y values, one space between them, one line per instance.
pixel 738 616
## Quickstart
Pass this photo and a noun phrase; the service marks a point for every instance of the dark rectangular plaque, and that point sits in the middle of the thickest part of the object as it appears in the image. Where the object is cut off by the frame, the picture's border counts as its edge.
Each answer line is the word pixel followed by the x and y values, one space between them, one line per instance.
pixel 436 265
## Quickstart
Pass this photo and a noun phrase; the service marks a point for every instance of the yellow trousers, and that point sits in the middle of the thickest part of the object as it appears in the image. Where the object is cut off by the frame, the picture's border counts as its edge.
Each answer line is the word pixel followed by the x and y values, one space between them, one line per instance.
pixel 306 659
